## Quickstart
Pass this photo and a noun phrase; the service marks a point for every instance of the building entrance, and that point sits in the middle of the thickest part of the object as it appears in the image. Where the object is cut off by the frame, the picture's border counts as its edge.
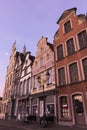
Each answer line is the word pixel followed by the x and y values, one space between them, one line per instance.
pixel 78 109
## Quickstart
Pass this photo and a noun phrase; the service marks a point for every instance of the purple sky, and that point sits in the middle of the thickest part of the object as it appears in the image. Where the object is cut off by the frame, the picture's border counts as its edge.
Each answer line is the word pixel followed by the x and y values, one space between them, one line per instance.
pixel 26 21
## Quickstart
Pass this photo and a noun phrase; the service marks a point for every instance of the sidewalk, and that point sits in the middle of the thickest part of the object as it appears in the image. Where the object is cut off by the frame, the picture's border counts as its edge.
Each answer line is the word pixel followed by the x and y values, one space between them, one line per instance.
pixel 34 126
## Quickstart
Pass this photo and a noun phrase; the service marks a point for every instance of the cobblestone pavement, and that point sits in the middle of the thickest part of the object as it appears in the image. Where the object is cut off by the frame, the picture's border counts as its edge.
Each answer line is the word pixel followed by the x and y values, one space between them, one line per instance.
pixel 33 126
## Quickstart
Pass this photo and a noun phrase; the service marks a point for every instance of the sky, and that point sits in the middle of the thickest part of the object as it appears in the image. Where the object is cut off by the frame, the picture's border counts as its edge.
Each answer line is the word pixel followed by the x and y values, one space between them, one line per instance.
pixel 26 21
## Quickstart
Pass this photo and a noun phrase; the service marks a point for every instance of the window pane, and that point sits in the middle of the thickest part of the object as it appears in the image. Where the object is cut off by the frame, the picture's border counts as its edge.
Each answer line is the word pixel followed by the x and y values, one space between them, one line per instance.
pixel 78 103
pixel 70 46
pixel 67 26
pixel 50 109
pixel 61 74
pixel 64 107
pixel 60 52
pixel 73 73
pixel 82 38
pixel 84 62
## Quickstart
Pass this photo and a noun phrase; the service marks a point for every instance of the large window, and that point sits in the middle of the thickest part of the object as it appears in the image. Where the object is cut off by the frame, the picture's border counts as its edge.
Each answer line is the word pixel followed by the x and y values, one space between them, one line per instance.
pixel 25 87
pixel 28 85
pixel 21 88
pixel 84 62
pixel 50 76
pixel 67 26
pixel 35 82
pixel 50 109
pixel 59 52
pixel 78 104
pixel 73 69
pixel 64 107
pixel 70 46
pixel 61 76
pixel 82 38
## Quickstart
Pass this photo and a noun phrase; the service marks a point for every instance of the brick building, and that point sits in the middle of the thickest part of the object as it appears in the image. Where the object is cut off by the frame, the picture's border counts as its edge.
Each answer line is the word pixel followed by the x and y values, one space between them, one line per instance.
pixel 70 45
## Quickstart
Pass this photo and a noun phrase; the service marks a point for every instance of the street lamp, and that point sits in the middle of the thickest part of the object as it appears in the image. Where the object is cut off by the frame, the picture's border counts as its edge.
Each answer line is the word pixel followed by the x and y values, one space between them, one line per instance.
pixel 42 82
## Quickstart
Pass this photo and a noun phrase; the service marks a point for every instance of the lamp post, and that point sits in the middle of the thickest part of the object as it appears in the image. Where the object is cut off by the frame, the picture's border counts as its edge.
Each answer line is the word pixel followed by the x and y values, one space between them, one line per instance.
pixel 42 82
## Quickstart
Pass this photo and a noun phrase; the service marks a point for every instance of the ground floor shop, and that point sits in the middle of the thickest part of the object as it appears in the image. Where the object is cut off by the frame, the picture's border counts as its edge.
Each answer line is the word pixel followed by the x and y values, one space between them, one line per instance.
pixel 41 106
pixel 72 105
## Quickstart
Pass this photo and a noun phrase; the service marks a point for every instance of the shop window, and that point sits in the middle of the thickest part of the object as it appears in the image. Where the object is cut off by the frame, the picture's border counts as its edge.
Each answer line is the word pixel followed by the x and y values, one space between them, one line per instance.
pixel 64 107
pixel 84 62
pixel 34 110
pixel 59 52
pixel 61 76
pixel 67 27
pixel 78 104
pixel 73 69
pixel 50 109
pixel 82 39
pixel 70 46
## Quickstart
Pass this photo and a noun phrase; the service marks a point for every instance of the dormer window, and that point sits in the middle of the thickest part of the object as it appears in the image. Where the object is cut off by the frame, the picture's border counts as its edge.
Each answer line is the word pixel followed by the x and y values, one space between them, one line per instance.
pixel 67 27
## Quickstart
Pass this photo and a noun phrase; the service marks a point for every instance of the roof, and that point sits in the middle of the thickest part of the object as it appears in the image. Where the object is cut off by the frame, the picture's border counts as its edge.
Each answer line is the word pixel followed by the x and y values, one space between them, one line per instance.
pixel 66 13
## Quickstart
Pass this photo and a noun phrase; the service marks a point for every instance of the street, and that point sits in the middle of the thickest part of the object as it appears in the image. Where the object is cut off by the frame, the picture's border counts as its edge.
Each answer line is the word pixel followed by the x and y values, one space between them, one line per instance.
pixel 15 125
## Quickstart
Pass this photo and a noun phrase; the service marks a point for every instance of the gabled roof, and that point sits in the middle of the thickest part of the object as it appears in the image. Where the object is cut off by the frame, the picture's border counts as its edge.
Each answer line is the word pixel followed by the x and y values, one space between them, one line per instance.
pixel 66 13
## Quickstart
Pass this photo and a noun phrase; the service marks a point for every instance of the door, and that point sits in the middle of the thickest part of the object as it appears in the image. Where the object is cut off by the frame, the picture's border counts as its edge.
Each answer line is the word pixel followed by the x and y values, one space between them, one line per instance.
pixel 78 109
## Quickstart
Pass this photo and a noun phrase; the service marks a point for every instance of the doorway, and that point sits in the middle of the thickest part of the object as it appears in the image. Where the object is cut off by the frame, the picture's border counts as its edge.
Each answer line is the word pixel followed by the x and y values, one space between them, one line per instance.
pixel 78 110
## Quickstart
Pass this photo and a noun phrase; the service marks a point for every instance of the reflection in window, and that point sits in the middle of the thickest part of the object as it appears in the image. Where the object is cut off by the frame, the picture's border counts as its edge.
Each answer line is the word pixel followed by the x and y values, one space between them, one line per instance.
pixel 78 104
pixel 64 107
pixel 50 109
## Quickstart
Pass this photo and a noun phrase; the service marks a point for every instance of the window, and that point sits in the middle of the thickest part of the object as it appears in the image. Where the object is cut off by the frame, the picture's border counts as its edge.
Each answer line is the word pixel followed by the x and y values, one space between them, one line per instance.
pixel 35 82
pixel 41 62
pixel 25 87
pixel 50 76
pixel 70 46
pixel 59 52
pixel 74 77
pixel 61 76
pixel 78 104
pixel 50 109
pixel 64 107
pixel 82 39
pixel 25 71
pixel 21 88
pixel 28 85
pixel 84 62
pixel 67 27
